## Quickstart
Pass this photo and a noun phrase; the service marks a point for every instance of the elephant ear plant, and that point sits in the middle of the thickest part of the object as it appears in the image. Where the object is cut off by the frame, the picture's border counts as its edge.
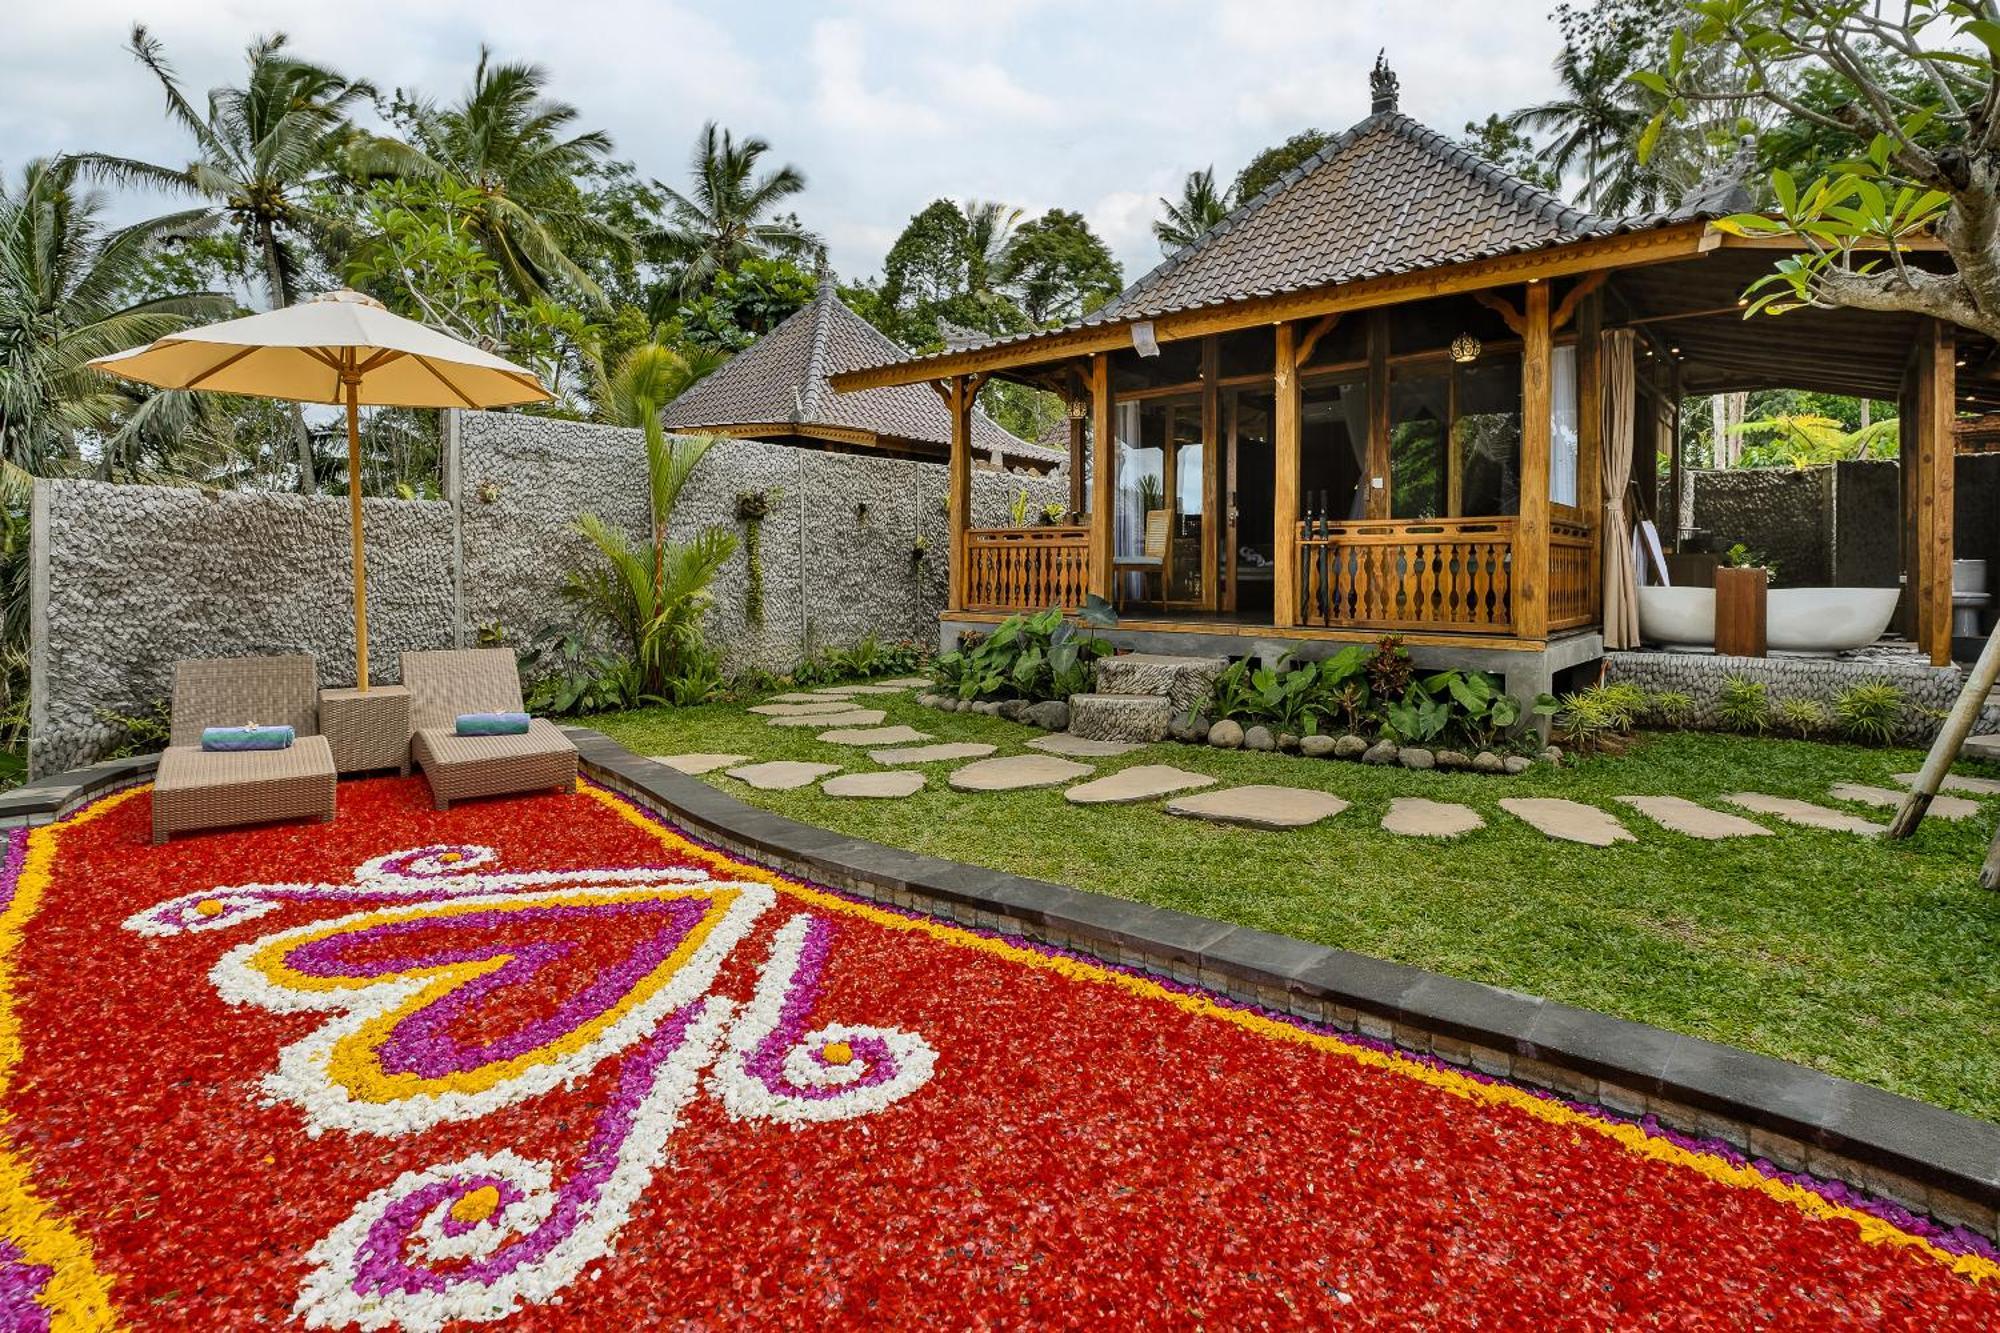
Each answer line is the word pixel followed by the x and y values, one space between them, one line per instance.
pixel 1042 656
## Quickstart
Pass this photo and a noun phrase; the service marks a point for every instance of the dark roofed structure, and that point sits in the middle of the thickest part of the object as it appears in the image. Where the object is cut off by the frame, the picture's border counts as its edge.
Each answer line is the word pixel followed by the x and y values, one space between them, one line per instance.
pixel 777 390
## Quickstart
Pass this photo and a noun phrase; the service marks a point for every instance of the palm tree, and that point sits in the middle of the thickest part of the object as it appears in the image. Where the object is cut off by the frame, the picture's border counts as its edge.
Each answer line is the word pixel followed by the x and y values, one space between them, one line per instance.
pixel 1595 120
pixel 269 158
pixel 1199 208
pixel 727 217
pixel 65 284
pixel 989 237
pixel 514 146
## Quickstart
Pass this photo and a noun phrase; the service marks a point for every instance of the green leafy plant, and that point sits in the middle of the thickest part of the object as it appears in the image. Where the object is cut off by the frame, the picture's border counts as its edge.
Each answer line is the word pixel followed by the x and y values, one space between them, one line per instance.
pixel 1017 509
pixel 1740 556
pixel 1870 712
pixel 1033 657
pixel 1744 705
pixel 1804 718
pixel 869 656
pixel 1582 722
pixel 1290 695
pixel 751 509
pixel 1389 668
pixel 1053 513
pixel 1480 709
pixel 1623 703
pixel 1418 718
pixel 144 732
pixel 564 676
pixel 1670 708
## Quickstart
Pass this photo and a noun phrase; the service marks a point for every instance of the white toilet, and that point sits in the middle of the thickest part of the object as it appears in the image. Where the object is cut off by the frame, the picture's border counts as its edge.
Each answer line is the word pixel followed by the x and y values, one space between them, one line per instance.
pixel 1969 598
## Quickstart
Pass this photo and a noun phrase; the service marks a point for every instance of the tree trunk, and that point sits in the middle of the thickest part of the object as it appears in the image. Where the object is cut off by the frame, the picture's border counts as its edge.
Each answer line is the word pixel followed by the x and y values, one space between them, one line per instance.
pixel 274 283
pixel 1726 413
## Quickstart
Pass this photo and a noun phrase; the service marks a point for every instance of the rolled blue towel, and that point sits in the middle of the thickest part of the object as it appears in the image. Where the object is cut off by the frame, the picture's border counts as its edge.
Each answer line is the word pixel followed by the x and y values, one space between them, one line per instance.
pixel 492 724
pixel 247 738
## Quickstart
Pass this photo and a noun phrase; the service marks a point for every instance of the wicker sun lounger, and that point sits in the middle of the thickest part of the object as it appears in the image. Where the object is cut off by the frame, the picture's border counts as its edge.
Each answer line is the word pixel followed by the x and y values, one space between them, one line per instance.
pixel 443 685
pixel 197 789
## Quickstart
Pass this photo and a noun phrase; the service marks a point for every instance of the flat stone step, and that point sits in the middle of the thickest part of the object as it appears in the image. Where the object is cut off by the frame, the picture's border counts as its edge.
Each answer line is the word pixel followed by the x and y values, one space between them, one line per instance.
pixel 1982 747
pixel 1567 821
pixel 1081 747
pixel 882 687
pixel 1941 806
pixel 1417 817
pixel 853 717
pixel 1142 782
pixel 1186 682
pixel 1958 782
pixel 1680 815
pixel 1804 813
pixel 1259 806
pixel 698 763
pixel 813 708
pixel 1018 772
pixel 782 774
pixel 874 786
pixel 1141 718
pixel 898 735
pixel 905 682
pixel 934 754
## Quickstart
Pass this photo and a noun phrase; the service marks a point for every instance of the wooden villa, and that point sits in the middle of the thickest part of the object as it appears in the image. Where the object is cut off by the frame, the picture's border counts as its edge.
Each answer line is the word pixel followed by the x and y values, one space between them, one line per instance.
pixel 1404 392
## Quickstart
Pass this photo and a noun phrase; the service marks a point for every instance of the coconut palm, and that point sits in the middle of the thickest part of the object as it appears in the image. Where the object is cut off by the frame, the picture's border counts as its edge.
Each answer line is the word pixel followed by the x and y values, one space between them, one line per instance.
pixel 65 280
pixel 1199 208
pixel 515 147
pixel 729 214
pixel 1595 120
pixel 989 237
pixel 651 376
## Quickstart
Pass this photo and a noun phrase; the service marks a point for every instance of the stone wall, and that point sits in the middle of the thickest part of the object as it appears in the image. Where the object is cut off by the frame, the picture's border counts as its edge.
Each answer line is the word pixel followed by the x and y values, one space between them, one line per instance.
pixel 127 579
pixel 1784 515
pixel 1928 690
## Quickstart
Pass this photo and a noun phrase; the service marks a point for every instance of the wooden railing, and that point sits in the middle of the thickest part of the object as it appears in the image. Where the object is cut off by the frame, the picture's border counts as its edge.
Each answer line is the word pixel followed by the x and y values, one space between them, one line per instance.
pixel 1026 569
pixel 1573 575
pixel 1435 574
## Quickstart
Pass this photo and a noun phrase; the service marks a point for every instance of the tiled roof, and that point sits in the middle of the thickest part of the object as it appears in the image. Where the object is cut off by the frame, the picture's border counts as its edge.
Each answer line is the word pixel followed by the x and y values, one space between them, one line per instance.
pixel 1388 196
pixel 781 380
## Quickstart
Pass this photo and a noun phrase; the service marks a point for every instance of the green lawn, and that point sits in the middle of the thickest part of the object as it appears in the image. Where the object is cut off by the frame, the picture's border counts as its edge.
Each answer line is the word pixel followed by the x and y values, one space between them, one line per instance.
pixel 1876 961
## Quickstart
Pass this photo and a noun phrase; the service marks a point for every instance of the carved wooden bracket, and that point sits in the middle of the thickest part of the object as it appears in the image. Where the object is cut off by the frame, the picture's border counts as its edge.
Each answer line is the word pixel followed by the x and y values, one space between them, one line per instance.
pixel 1502 307
pixel 1321 327
pixel 1585 285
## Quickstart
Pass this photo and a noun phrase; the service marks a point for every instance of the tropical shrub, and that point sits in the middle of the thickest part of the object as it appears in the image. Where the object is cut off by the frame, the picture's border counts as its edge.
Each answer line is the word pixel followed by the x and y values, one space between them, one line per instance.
pixel 1624 704
pixel 1389 668
pixel 868 657
pixel 564 676
pixel 1585 721
pixel 1744 705
pixel 1670 708
pixel 1804 718
pixel 144 732
pixel 1477 707
pixel 1042 656
pixel 1303 698
pixel 1870 712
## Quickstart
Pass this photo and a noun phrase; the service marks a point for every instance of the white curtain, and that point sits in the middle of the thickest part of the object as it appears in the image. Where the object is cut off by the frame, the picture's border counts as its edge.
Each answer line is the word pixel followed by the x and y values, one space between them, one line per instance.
pixel 1562 426
pixel 1621 591
pixel 1354 416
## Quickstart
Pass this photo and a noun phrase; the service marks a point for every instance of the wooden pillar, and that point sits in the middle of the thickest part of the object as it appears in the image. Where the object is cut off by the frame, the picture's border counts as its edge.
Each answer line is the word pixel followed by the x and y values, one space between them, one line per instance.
pixel 958 493
pixel 1376 483
pixel 1672 520
pixel 1906 453
pixel 1531 530
pixel 1103 481
pixel 1285 491
pixel 1590 435
pixel 1077 499
pixel 1932 473
pixel 1211 471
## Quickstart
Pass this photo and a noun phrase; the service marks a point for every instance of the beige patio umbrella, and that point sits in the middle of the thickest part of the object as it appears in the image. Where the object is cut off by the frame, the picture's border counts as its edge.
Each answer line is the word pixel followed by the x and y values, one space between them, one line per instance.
pixel 342 347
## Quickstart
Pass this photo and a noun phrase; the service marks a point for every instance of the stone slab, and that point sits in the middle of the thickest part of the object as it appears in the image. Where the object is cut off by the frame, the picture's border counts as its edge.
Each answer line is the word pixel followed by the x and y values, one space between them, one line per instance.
pixel 853 717
pixel 874 736
pixel 934 754
pixel 1142 782
pixel 1416 817
pixel 1120 717
pixel 882 688
pixel 878 786
pixel 1081 747
pixel 1567 821
pixel 799 697
pixel 1017 772
pixel 1680 815
pixel 698 764
pixel 905 682
pixel 1941 807
pixel 1958 782
pixel 817 707
pixel 782 774
pixel 1804 813
pixel 1259 806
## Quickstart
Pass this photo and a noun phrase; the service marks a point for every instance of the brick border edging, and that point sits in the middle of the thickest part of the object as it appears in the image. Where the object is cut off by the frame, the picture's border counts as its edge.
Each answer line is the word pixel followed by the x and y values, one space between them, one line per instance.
pixel 1922 1157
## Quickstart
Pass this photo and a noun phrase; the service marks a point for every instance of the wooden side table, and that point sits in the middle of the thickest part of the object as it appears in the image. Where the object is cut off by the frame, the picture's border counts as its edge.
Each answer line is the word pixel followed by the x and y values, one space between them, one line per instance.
pixel 367 729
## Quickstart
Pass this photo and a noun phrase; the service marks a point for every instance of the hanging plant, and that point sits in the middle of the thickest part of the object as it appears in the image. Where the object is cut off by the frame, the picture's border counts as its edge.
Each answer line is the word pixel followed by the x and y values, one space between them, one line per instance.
pixel 751 507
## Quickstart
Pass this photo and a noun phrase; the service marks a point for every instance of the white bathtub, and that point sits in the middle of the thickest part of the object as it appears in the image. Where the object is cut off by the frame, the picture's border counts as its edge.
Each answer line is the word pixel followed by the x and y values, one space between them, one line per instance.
pixel 1808 622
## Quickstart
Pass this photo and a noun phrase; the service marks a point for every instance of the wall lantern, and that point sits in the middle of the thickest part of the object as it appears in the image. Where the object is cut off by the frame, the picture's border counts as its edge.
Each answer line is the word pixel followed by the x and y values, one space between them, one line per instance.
pixel 1464 349
pixel 1079 408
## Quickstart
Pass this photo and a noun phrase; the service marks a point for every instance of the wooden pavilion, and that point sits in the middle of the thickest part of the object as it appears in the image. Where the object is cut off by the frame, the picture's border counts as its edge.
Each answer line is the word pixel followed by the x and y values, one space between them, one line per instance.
pixel 1392 394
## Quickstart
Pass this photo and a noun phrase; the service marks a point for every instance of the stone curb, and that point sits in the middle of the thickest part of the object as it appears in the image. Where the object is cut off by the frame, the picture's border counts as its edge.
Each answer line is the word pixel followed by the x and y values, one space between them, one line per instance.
pixel 49 798
pixel 1922 1157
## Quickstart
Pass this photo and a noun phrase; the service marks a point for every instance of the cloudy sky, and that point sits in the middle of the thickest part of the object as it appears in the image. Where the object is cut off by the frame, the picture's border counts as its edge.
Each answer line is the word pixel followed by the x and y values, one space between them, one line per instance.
pixel 885 105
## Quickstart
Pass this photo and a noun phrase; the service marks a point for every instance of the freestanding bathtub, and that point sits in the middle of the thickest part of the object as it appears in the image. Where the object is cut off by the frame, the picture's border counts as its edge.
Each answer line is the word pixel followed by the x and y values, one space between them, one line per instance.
pixel 1805 622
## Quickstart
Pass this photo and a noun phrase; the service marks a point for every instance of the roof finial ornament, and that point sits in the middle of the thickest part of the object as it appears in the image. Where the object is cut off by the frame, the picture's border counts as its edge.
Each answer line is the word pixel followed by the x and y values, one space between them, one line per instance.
pixel 823 278
pixel 1382 85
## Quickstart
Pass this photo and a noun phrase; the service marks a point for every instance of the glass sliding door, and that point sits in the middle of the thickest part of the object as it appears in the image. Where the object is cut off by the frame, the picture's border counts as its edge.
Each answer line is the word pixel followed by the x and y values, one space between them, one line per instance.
pixel 1162 505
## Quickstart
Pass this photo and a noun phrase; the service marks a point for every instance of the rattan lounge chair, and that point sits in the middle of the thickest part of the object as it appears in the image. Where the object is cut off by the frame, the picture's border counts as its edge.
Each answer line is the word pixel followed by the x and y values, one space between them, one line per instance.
pixel 196 789
pixel 443 685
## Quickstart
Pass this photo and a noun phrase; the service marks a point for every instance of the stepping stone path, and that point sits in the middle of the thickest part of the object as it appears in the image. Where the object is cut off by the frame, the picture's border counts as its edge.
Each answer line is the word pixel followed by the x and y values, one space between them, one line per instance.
pixel 1942 807
pixel 1143 782
pixel 818 707
pixel 1018 772
pixel 1803 813
pixel 870 689
pixel 853 717
pixel 799 697
pixel 1680 815
pixel 698 763
pixel 1079 747
pixel 876 785
pixel 934 754
pixel 874 736
pixel 1959 783
pixel 1415 817
pixel 906 682
pixel 782 774
pixel 1568 821
pixel 1259 807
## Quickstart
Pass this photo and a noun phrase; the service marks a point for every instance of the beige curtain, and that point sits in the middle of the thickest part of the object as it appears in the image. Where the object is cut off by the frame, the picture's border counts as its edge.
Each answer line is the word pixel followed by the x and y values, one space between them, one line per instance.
pixel 1621 590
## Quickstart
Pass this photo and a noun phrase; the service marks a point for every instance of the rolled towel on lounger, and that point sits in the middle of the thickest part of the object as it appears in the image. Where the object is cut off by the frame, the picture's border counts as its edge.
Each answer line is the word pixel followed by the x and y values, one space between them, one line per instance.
pixel 247 738
pixel 492 724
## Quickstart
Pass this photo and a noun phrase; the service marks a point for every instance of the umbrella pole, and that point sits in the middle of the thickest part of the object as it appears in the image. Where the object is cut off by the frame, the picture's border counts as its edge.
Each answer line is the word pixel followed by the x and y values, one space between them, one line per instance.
pixel 353 384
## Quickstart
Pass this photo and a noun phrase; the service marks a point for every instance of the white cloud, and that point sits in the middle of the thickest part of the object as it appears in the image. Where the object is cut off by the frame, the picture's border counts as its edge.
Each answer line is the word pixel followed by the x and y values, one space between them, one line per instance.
pixel 846 98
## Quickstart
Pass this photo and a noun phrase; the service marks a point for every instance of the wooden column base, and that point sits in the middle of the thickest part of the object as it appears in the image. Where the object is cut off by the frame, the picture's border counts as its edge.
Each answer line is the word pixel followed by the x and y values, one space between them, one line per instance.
pixel 1739 611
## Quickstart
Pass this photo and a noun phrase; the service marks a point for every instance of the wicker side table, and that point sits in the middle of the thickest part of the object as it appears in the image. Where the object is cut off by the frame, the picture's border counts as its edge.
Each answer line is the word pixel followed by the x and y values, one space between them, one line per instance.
pixel 367 729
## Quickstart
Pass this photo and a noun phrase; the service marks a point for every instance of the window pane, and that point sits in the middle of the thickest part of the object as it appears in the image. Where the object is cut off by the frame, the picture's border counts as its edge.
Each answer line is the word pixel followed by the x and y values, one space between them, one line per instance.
pixel 1562 426
pixel 1333 449
pixel 1486 438
pixel 1418 404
